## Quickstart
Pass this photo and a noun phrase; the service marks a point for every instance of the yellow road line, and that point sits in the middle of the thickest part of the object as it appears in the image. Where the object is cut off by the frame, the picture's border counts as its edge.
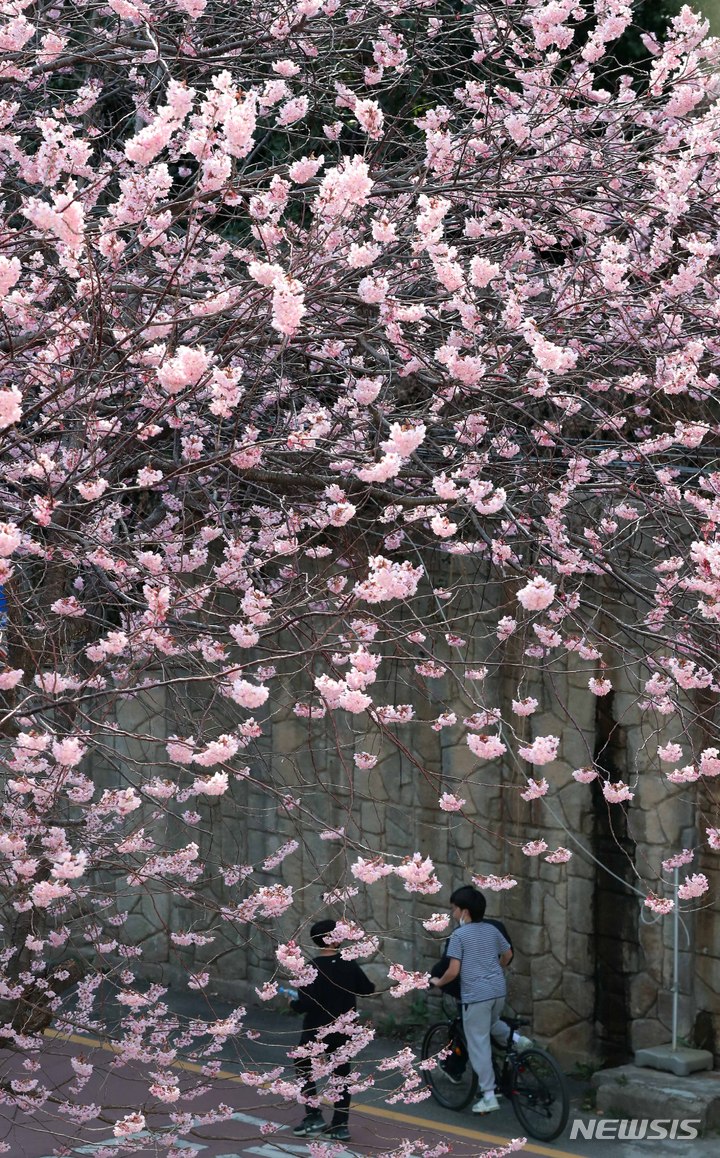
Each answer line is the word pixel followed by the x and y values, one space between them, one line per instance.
pixel 458 1131
pixel 359 1108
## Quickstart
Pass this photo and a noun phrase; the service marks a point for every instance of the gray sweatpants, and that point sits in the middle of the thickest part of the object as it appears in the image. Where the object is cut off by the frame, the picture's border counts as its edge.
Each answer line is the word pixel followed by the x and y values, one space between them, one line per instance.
pixel 479 1020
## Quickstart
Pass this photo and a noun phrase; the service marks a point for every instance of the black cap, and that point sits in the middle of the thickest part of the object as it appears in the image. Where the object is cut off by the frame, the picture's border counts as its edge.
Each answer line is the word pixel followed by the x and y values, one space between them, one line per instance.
pixel 319 931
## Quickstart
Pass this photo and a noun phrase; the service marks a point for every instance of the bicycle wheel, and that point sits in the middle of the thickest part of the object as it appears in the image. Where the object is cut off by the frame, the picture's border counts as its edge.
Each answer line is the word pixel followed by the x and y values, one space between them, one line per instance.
pixel 539 1094
pixel 452 1084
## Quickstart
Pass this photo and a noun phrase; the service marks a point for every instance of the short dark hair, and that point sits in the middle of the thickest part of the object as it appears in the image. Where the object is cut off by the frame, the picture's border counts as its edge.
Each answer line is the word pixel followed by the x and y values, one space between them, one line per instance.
pixel 320 930
pixel 470 898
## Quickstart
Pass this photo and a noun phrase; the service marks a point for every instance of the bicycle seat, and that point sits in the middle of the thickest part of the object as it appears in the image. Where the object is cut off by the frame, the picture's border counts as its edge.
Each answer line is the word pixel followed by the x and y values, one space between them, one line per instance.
pixel 516 1022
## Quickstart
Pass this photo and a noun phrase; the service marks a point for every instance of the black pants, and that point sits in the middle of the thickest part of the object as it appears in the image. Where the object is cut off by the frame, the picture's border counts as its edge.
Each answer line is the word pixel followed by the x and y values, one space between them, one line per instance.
pixel 303 1066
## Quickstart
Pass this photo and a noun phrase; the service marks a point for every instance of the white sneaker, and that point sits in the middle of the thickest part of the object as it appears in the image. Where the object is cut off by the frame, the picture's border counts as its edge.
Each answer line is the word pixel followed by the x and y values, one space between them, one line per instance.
pixel 487 1103
pixel 520 1042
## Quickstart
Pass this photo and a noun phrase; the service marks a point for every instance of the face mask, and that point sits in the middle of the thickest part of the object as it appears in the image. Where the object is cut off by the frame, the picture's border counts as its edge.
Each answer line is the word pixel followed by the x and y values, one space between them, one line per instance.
pixel 462 921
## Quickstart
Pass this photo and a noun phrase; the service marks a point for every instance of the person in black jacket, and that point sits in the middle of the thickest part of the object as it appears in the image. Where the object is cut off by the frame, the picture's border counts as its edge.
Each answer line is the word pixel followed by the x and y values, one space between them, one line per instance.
pixel 333 992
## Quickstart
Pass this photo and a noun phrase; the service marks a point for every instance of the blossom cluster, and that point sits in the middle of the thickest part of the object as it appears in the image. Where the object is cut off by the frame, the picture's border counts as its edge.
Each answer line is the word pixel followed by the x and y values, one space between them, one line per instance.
pixel 330 409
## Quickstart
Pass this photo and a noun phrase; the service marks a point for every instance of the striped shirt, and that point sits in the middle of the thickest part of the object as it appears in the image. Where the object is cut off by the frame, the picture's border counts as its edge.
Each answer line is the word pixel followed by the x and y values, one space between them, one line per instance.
pixel 477 947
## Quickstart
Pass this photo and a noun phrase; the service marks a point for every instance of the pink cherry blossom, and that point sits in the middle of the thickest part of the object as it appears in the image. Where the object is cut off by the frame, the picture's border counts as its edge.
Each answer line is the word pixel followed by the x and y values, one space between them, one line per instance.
pixel 267 991
pixel 543 750
pixel 288 305
pixel 344 189
pixel 534 847
pixel 444 720
pixel 10 539
pixel 10 408
pixel 373 291
pixel 198 980
pixel 448 802
pixel 370 871
pixel 332 834
pixel 65 218
pixel 660 905
pixel 437 923
pixel 353 700
pixel 517 127
pixel 710 762
pixel 366 390
pixel 165 1091
pixel 181 751
pixel 418 874
pixel 370 117
pixel 404 439
pixel 248 695
pixel 388 580
pixel 616 792
pixel 291 958
pixel 695 885
pixel 525 707
pixel 549 355
pixel 131 1123
pixel 44 893
pixel 68 752
pixel 364 760
pixel 10 270
pixel 69 866
pixel 385 468
pixel 537 594
pixel 333 418
pixel 239 124
pixel 215 785
pixel 585 775
pixel 535 789
pixel 687 775
pixel 285 67
pixel 135 13
pixel 559 856
pixel 495 884
pixel 485 747
pixel 678 860
pixel 506 626
pixel 482 271
pixel 185 368
pixel 69 607
pixel 305 169
pixel 293 110
pixel 406 981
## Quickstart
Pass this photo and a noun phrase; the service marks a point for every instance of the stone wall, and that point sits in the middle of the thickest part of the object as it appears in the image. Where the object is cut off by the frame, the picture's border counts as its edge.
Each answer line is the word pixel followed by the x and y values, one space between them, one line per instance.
pixel 592 968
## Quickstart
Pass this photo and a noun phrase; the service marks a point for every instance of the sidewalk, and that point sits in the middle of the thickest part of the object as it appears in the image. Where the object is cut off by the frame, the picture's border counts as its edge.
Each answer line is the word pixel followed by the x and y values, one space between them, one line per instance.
pixel 269 1034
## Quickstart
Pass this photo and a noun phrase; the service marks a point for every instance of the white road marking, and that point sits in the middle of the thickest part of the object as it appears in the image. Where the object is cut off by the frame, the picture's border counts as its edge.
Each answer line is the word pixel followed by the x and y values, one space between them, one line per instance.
pixel 282 1149
pixel 273 1149
pixel 267 1150
pixel 93 1147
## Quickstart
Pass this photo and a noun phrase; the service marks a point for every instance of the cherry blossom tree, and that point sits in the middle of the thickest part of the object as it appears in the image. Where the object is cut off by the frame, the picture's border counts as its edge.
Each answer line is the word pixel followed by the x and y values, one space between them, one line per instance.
pixel 346 350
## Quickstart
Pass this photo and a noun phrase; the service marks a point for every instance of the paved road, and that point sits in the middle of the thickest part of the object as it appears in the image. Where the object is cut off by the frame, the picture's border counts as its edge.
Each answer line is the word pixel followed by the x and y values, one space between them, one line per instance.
pixel 261 1128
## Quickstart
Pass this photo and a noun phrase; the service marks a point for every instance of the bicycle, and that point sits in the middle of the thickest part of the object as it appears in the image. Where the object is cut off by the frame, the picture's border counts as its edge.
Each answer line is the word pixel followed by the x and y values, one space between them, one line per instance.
pixel 531 1079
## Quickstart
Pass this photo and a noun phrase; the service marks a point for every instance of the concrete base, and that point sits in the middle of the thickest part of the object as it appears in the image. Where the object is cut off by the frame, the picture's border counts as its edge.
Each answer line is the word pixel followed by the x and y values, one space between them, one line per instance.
pixel 636 1092
pixel 681 1060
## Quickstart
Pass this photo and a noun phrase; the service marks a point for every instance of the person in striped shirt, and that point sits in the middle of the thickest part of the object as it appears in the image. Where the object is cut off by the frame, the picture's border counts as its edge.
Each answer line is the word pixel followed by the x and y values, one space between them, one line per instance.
pixel 478 952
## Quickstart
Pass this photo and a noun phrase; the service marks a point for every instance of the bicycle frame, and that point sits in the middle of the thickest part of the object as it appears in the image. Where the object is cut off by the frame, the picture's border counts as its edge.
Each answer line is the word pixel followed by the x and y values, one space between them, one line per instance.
pixel 504 1064
pixel 528 1077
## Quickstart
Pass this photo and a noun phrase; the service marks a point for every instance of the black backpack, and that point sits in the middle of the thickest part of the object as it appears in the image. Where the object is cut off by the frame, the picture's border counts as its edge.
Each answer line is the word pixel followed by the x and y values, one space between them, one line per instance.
pixel 453 987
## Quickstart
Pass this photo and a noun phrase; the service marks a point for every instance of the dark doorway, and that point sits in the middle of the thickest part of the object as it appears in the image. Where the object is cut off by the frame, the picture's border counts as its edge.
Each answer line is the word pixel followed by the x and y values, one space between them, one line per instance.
pixel 615 908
